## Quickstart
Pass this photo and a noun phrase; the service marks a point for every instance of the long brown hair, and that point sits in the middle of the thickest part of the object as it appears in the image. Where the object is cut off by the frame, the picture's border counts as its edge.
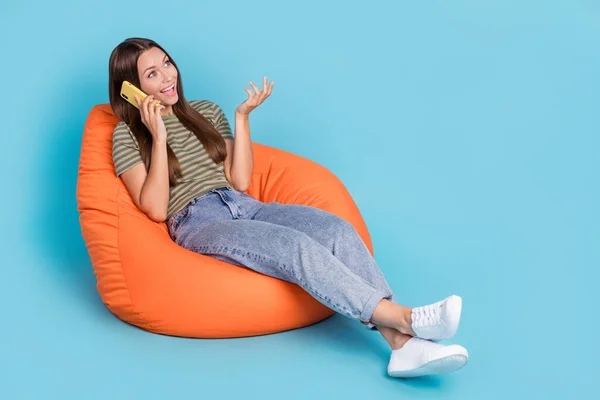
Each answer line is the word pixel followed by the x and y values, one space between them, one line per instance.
pixel 123 66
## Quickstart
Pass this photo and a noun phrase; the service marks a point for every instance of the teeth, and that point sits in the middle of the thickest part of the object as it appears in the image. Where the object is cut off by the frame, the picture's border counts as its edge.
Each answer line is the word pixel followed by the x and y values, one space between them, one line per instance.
pixel 167 89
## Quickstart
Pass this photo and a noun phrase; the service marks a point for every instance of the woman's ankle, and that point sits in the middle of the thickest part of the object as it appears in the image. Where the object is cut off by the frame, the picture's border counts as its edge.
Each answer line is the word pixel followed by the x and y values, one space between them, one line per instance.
pixel 399 341
pixel 405 322
pixel 395 339
pixel 393 316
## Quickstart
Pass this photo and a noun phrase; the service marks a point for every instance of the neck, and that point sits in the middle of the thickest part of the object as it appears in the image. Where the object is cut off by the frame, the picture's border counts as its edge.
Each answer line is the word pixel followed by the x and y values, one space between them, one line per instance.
pixel 167 111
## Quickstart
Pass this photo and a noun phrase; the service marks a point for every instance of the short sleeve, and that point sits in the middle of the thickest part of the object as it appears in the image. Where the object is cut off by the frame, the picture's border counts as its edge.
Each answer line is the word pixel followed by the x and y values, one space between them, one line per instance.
pixel 221 123
pixel 125 150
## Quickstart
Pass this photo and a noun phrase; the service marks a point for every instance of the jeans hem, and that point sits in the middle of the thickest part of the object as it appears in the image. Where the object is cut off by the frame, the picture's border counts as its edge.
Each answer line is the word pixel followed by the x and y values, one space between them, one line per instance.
pixel 369 308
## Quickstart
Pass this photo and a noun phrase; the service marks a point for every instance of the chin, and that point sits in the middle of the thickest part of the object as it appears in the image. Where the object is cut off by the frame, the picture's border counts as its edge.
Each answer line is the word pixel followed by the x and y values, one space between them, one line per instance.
pixel 169 101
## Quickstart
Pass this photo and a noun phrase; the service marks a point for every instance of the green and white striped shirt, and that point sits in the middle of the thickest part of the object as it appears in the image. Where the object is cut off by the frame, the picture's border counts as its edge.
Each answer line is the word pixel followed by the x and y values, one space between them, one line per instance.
pixel 200 174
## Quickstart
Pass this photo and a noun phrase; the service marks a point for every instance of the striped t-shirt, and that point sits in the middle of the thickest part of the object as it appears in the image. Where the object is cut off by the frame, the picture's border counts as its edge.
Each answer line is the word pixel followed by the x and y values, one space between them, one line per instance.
pixel 199 172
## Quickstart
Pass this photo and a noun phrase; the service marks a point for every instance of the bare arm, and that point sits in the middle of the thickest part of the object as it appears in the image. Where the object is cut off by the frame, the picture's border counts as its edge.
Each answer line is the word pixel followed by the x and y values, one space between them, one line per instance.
pixel 239 163
pixel 150 190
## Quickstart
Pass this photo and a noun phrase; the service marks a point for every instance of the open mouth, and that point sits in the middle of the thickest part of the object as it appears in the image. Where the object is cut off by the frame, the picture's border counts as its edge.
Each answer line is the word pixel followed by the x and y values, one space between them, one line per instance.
pixel 169 91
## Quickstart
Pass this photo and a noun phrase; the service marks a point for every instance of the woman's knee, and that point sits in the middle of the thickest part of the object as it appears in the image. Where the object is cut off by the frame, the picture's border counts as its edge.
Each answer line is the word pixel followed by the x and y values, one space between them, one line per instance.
pixel 341 229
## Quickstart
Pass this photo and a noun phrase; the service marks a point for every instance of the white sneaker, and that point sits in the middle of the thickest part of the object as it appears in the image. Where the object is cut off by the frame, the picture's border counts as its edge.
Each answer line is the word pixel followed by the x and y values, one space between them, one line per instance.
pixel 439 320
pixel 420 357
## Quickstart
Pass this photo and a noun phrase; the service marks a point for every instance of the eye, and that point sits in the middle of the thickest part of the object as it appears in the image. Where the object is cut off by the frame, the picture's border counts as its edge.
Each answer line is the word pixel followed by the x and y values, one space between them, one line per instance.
pixel 166 62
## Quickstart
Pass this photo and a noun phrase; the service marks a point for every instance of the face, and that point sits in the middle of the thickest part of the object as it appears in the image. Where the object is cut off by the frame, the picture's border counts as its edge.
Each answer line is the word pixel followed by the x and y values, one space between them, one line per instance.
pixel 157 73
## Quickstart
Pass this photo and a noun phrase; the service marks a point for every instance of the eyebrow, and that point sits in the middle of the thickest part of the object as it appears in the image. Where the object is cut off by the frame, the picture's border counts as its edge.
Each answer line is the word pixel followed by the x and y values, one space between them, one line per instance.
pixel 154 66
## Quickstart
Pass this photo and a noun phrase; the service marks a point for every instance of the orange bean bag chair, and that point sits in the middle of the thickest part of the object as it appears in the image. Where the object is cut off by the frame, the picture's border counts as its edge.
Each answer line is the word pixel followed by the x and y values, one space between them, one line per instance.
pixel 147 280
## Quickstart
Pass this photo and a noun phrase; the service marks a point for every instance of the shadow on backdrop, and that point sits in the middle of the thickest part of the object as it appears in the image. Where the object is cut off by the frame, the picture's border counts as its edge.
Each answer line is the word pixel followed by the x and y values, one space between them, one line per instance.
pixel 346 336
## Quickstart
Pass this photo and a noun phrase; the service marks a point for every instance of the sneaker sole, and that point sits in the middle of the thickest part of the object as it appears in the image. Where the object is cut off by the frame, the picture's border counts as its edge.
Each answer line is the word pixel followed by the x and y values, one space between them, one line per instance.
pixel 444 365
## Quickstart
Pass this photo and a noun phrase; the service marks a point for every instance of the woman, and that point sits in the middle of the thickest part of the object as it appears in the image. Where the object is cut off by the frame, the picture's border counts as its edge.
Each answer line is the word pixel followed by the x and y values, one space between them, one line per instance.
pixel 181 164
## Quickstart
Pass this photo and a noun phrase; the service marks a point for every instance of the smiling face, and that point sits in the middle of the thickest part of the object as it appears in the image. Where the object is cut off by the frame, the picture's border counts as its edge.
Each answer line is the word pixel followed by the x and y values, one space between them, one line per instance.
pixel 158 77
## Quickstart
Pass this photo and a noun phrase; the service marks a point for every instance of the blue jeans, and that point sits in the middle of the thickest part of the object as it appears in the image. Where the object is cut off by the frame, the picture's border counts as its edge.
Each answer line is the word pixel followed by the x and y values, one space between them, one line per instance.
pixel 317 250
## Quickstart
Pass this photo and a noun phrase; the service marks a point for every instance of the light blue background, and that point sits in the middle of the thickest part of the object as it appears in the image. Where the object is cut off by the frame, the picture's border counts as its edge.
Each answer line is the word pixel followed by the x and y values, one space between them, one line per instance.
pixel 466 131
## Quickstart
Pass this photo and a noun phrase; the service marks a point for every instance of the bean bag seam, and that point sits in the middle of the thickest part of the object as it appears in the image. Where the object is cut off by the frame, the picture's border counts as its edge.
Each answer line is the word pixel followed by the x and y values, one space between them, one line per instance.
pixel 136 312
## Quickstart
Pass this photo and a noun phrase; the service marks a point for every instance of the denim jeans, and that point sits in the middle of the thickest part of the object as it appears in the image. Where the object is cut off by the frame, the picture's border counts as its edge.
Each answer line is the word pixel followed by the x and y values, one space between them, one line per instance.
pixel 317 250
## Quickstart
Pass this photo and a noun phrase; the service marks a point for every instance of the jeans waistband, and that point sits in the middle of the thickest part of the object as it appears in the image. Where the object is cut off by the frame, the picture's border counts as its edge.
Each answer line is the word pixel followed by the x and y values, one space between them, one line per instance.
pixel 175 216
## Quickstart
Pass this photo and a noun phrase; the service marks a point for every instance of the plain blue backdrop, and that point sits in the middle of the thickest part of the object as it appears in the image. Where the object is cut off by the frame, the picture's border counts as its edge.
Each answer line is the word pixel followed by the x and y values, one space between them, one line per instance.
pixel 466 131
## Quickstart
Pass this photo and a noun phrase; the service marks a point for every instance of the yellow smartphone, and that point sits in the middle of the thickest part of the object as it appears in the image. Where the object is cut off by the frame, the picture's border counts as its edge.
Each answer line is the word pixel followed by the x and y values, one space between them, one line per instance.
pixel 129 91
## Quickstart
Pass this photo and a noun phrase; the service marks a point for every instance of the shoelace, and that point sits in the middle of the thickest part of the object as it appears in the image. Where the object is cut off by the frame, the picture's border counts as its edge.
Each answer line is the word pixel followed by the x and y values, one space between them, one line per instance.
pixel 427 315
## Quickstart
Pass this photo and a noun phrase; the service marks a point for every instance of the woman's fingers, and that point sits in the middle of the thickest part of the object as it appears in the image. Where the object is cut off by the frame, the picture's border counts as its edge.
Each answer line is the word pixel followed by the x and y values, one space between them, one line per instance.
pixel 141 107
pixel 267 88
pixel 156 110
pixel 265 85
pixel 270 88
pixel 151 109
pixel 256 90
pixel 144 108
pixel 256 96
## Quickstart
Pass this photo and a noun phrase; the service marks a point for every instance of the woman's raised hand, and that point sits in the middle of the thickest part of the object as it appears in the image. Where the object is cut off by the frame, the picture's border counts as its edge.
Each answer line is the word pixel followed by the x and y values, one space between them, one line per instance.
pixel 256 97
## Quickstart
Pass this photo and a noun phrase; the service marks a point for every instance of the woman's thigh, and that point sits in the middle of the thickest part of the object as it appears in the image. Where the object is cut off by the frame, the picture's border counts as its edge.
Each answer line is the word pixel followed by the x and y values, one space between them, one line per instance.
pixel 324 227
pixel 254 244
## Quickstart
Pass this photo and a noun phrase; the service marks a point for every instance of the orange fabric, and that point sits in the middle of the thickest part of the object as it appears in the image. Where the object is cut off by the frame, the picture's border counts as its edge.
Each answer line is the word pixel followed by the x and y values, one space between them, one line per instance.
pixel 147 280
